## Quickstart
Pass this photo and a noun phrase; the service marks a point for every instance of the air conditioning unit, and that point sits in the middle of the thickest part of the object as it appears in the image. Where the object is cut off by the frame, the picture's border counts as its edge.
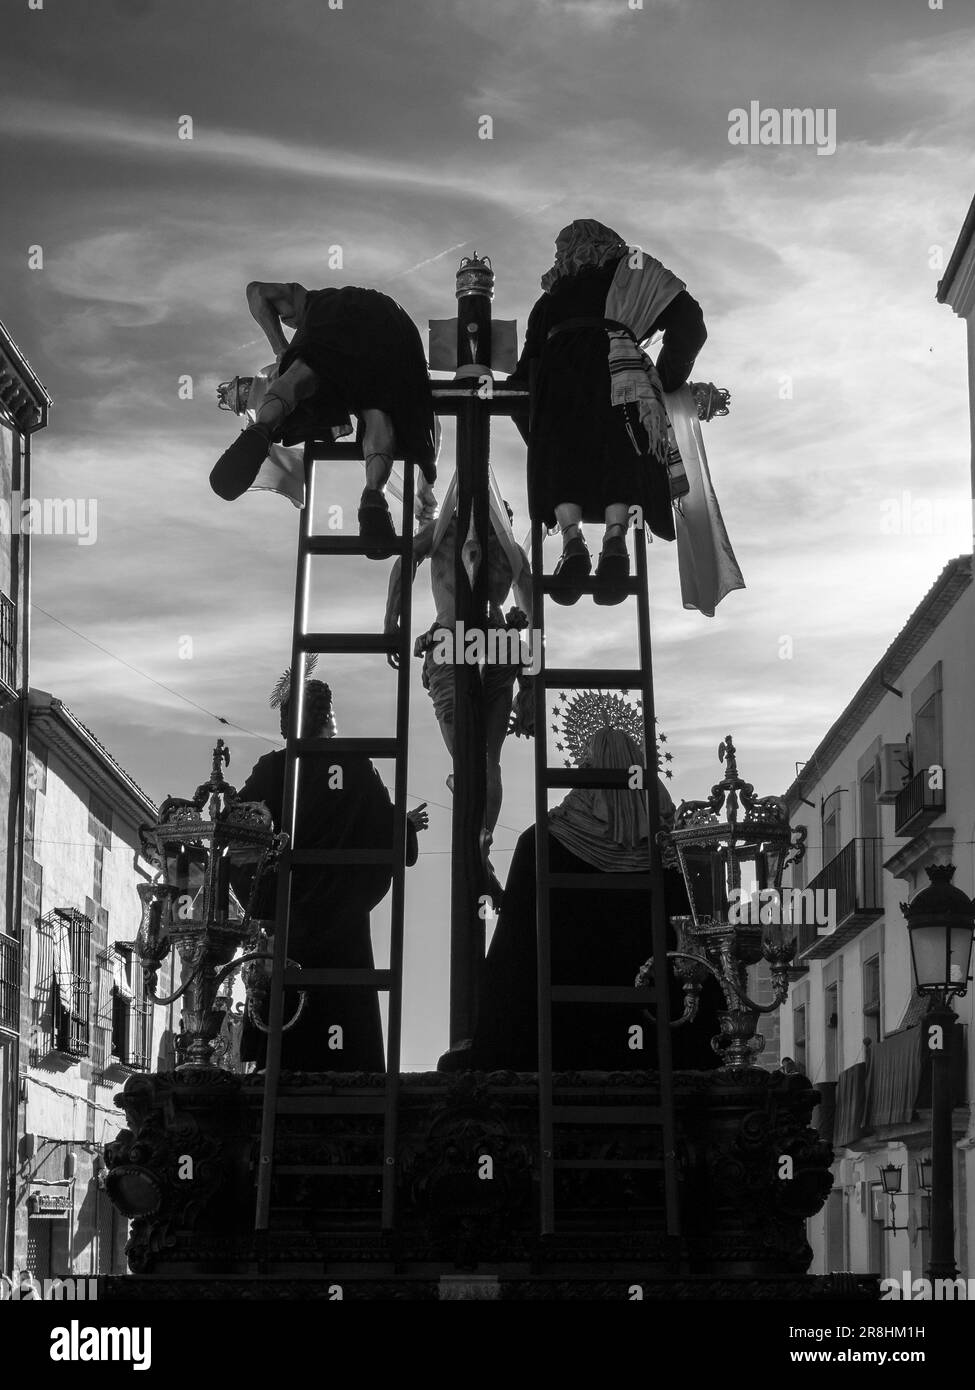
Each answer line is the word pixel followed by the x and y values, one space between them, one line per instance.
pixel 893 771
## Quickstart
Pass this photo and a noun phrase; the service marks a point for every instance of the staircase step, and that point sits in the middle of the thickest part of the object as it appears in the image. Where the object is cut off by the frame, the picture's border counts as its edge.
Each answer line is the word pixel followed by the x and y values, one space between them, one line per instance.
pixel 330 1105
pixel 371 747
pixel 585 586
pixel 322 979
pixel 604 777
pixel 332 1170
pixel 653 1165
pixel 354 642
pixel 601 994
pixel 649 1115
pixel 601 883
pixel 591 678
pixel 345 545
pixel 342 857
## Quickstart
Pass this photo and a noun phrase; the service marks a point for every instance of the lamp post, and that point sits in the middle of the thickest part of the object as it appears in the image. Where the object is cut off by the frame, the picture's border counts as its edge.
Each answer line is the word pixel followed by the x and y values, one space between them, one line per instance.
pixel 890 1178
pixel 941 924
pixel 732 850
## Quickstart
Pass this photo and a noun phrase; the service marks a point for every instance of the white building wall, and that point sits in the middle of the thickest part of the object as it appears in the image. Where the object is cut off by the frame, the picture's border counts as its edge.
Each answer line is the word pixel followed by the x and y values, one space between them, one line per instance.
pixel 951 644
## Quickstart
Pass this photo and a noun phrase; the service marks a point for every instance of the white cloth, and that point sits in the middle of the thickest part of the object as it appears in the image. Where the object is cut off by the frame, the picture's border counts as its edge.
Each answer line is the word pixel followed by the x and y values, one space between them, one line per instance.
pixel 283 471
pixel 705 559
pixel 637 297
pixel 517 559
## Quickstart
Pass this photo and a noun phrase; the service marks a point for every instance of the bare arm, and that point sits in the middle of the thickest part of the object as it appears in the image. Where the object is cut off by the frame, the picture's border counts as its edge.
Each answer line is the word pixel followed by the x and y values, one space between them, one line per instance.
pixel 269 303
pixel 422 543
pixel 522 586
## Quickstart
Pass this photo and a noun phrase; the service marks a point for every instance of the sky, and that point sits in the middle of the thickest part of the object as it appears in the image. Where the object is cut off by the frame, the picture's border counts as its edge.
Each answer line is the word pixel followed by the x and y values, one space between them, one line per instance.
pixel 842 468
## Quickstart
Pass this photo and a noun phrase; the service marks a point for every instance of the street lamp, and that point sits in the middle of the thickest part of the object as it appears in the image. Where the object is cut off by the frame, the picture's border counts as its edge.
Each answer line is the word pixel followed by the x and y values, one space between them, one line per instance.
pixel 941 924
pixel 731 850
pixel 890 1178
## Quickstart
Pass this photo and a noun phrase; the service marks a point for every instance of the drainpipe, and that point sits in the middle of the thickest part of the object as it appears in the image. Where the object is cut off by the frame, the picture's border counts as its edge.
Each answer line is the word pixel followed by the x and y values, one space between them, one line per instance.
pixel 18 1108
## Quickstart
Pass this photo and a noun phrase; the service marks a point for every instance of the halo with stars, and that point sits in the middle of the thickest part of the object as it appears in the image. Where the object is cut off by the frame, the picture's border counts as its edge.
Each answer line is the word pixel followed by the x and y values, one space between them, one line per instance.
pixel 580 715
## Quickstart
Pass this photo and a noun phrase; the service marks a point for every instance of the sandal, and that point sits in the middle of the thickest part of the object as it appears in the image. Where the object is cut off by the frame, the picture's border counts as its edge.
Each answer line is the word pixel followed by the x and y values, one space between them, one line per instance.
pixel 237 468
pixel 613 569
pixel 574 566
pixel 376 525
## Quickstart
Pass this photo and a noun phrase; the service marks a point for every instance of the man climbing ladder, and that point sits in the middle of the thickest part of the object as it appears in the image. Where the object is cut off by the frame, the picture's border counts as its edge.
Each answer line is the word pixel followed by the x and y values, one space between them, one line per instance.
pixel 355 352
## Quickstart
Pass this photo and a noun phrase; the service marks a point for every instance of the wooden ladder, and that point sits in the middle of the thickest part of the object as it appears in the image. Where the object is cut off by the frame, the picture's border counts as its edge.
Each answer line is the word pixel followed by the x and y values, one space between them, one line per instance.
pixel 546 777
pixel 296 749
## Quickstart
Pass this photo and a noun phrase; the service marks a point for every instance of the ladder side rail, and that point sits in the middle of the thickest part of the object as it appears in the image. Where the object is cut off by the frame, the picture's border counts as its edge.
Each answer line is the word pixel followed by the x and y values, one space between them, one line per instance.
pixel 395 995
pixel 658 912
pixel 272 1072
pixel 543 926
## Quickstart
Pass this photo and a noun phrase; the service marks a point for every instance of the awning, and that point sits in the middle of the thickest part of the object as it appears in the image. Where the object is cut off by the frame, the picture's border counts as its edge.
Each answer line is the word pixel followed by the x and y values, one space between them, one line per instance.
pixel 893 1078
pixel 851 1097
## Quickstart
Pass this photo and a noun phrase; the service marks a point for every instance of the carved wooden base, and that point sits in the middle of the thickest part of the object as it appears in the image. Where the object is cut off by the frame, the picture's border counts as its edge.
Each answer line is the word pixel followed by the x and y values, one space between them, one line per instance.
pixel 751 1172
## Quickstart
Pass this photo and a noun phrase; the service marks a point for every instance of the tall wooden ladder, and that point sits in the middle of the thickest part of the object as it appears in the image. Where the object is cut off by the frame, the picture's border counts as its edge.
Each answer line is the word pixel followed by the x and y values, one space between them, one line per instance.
pixel 297 749
pixel 546 777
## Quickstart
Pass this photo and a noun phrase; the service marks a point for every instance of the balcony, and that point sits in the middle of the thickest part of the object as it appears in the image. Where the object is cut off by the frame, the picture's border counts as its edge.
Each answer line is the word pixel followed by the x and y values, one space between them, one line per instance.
pixel 918 804
pixel 851 887
pixel 8 644
pixel 9 983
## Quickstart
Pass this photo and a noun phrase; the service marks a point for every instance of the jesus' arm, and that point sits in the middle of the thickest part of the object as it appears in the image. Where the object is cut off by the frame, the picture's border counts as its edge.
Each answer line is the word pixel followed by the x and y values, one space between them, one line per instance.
pixel 269 302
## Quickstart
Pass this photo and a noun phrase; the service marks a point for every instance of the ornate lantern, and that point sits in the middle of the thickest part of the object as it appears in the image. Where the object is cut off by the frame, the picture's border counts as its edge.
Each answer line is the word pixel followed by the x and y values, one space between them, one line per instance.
pixel 200 848
pixel 732 850
pixel 940 923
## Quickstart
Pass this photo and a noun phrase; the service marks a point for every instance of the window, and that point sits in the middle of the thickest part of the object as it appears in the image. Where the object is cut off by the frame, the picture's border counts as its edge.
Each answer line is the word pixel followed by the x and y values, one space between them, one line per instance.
pixel 831 1051
pixel 62 983
pixel 8 642
pixel 871 1000
pixel 927 734
pixel 831 833
pixel 869 812
pixel 130 1015
pixel 799 1050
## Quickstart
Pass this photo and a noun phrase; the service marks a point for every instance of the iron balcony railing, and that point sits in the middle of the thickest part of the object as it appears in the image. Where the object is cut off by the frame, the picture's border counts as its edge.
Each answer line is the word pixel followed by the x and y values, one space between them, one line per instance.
pixel 850 885
pixel 8 642
pixel 918 803
pixel 9 983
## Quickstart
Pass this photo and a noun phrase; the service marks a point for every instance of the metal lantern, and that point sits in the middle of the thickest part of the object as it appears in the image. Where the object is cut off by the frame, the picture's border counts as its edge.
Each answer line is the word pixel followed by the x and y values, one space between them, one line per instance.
pixel 941 923
pixel 732 850
pixel 201 848
pixel 890 1177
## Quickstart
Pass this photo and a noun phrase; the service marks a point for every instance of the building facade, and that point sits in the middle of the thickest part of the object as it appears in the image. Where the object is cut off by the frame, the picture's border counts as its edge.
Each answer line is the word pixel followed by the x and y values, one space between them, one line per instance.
pixel 889 790
pixel 24 407
pixel 86 1023
pixel 956 288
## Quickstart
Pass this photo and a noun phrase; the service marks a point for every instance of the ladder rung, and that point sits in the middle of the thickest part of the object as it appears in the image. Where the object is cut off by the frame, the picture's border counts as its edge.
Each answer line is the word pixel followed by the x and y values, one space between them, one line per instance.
pixel 345 545
pixel 606 777
pixel 350 642
pixel 601 883
pixel 322 979
pixel 337 1170
pixel 587 586
pixel 342 857
pixel 601 994
pixel 621 1164
pixel 372 747
pixel 330 1105
pixel 607 1115
pixel 591 678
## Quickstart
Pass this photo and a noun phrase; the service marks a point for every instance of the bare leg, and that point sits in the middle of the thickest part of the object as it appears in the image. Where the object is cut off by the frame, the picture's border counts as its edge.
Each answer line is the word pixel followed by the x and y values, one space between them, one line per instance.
pixel 617 514
pixel 495 728
pixel 285 394
pixel 568 515
pixel 375 522
pixel 378 446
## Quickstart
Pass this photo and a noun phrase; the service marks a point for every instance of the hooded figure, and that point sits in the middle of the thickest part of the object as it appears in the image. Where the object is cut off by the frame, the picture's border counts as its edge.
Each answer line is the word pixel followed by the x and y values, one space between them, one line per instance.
pixel 596 939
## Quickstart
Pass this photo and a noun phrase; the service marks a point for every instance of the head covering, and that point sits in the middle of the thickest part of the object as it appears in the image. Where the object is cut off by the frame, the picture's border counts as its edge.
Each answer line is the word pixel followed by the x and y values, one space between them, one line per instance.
pixel 582 243
pixel 609 829
pixel 318 695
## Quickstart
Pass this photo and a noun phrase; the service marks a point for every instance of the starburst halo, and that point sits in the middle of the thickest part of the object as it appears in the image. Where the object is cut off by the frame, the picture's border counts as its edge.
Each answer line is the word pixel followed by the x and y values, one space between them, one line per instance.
pixel 579 716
